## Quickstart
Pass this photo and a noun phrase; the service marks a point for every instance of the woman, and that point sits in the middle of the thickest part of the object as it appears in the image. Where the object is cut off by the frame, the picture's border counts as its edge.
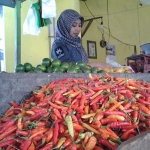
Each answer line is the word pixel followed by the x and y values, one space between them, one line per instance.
pixel 67 47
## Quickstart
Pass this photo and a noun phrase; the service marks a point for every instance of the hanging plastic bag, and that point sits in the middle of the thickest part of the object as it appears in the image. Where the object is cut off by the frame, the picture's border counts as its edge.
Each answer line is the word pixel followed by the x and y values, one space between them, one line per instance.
pixel 30 25
pixel 48 8
pixel 110 59
pixel 38 13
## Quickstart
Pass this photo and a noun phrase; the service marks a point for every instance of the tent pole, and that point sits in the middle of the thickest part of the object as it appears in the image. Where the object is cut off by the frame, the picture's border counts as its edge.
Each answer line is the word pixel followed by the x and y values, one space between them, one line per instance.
pixel 17 32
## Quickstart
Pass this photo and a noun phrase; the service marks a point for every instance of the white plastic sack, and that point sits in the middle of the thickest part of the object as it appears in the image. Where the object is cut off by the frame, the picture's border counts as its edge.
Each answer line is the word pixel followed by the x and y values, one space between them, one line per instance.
pixel 48 9
pixel 30 25
pixel 110 59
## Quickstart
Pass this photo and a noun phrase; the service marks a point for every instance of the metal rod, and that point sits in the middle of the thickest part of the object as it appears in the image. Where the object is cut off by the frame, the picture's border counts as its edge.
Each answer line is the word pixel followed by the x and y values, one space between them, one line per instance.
pixel 135 51
pixel 86 28
pixel 92 19
pixel 88 25
pixel 17 32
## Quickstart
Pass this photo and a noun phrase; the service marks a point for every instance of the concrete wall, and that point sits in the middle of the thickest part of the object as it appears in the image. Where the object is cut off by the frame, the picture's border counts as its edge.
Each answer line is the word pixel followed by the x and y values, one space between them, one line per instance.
pixel 14 87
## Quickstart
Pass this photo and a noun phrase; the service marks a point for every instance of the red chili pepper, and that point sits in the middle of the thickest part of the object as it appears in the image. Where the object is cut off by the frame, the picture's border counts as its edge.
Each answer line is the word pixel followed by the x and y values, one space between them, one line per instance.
pixel 89 94
pixel 49 135
pixel 144 93
pixel 47 147
pixel 57 106
pixel 142 101
pixel 66 143
pixel 36 116
pixel 24 133
pixel 14 104
pixel 54 117
pixel 51 85
pixel 63 113
pixel 98 148
pixel 130 136
pixel 11 136
pixel 147 123
pixel 57 113
pixel 74 118
pixel 128 105
pixel 38 133
pixel 8 132
pixel 39 137
pixel 134 107
pixel 133 126
pixel 135 115
pixel 94 107
pixel 61 128
pixel 118 124
pixel 74 94
pixel 144 109
pixel 26 144
pixel 16 111
pixel 118 88
pixel 106 143
pixel 104 87
pixel 77 127
pixel 110 130
pixel 82 101
pixel 114 113
pixel 133 83
pixel 55 133
pixel 79 110
pixel 10 147
pixel 98 117
pixel 8 124
pixel 70 110
pixel 58 94
pixel 123 91
pixel 126 133
pixel 96 99
pixel 43 104
pixel 7 143
pixel 38 109
pixel 5 119
pixel 108 120
pixel 128 94
pixel 31 147
pixel 72 147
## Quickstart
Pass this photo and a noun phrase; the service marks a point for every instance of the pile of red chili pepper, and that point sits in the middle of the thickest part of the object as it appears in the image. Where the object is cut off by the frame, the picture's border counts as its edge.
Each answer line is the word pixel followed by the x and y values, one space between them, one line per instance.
pixel 97 113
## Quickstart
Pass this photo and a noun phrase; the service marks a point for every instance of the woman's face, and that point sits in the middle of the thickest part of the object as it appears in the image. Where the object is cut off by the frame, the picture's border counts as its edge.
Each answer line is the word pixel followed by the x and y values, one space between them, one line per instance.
pixel 76 28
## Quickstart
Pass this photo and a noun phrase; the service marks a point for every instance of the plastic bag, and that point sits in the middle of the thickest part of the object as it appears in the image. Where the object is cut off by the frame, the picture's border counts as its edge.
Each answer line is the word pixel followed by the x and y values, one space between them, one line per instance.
pixel 48 8
pixel 39 20
pixel 110 59
pixel 30 25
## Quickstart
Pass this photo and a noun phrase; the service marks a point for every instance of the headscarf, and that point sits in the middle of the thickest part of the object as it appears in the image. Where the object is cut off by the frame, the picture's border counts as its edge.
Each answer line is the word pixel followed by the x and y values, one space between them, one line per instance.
pixel 64 24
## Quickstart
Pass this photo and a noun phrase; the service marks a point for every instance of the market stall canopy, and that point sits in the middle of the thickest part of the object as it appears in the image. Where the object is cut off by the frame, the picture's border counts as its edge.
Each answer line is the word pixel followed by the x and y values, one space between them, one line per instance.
pixel 9 3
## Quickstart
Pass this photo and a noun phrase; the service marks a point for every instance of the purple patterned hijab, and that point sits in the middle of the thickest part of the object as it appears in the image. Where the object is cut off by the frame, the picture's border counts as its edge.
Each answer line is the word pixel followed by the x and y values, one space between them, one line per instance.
pixel 64 24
